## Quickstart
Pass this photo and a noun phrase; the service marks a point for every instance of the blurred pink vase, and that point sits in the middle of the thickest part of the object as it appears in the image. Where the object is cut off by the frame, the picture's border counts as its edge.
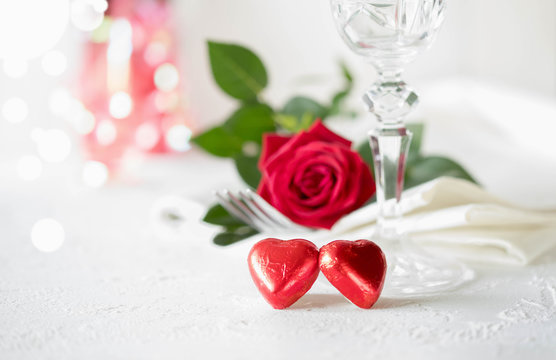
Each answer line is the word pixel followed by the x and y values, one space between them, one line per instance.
pixel 130 82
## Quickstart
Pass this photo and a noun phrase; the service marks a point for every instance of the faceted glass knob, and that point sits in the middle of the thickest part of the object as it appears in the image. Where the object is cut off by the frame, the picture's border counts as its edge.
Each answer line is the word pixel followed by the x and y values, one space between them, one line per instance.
pixel 390 101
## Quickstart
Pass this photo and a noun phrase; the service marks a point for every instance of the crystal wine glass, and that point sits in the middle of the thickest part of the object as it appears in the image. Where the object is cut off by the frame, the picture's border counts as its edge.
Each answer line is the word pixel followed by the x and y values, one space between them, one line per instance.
pixel 390 34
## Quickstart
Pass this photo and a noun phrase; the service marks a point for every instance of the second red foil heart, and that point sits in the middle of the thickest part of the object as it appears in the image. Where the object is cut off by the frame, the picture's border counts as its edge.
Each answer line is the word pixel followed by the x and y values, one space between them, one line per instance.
pixel 356 268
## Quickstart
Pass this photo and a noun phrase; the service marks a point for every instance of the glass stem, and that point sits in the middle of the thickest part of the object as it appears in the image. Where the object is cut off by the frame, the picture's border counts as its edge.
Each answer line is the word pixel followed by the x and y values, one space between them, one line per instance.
pixel 389 146
pixel 390 100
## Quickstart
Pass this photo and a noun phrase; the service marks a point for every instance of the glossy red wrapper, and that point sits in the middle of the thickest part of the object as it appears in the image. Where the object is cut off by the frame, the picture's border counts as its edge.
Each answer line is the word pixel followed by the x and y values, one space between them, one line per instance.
pixel 283 270
pixel 356 268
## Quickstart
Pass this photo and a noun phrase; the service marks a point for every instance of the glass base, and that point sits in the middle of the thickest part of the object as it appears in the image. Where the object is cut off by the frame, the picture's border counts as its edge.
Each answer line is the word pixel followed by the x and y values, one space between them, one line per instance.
pixel 412 272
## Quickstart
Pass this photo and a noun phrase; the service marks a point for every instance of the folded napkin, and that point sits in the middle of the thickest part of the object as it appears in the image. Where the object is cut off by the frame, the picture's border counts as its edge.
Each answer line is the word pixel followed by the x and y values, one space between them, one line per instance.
pixel 177 218
pixel 447 215
pixel 459 218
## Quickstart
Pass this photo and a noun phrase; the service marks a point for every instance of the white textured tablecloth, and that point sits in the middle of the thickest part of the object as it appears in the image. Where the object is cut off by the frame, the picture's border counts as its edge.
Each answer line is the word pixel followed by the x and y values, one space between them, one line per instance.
pixel 115 291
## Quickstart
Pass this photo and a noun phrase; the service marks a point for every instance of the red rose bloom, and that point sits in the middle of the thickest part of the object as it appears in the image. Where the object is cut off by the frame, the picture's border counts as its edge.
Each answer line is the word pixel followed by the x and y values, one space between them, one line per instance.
pixel 314 177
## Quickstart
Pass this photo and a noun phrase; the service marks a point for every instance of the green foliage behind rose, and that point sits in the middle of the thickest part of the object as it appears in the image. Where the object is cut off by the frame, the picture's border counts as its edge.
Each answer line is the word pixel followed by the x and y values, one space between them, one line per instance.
pixel 241 74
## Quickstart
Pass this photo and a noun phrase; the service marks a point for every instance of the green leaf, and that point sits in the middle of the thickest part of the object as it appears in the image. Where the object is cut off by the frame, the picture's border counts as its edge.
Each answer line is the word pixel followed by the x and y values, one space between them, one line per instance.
pixel 420 169
pixel 292 124
pixel 237 70
pixel 346 72
pixel 247 168
pixel 364 149
pixel 430 167
pixel 217 215
pixel 300 105
pixel 287 122
pixel 304 110
pixel 219 142
pixel 338 98
pixel 250 122
pixel 233 236
pixel 234 229
pixel 417 130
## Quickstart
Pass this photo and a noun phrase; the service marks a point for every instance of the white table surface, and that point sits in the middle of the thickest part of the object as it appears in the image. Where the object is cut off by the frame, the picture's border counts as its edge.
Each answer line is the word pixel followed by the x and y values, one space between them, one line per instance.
pixel 116 291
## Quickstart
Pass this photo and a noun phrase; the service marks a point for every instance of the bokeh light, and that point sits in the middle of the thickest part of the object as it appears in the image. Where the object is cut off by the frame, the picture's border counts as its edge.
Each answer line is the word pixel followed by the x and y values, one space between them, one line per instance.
pixel 120 46
pixel 15 68
pixel 47 235
pixel 54 63
pixel 166 77
pixel 95 174
pixel 53 145
pixel 87 15
pixel 15 110
pixel 83 122
pixel 60 101
pixel 29 168
pixel 177 138
pixel 120 105
pixel 106 132
pixel 166 102
pixel 250 148
pixel 147 136
pixel 28 28
pixel 100 5
pixel 36 134
pixel 155 53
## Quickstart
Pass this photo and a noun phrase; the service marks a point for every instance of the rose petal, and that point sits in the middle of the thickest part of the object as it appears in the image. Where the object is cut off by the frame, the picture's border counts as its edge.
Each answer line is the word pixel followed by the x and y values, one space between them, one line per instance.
pixel 313 178
pixel 287 150
pixel 311 192
pixel 324 134
pixel 349 197
pixel 271 144
pixel 263 189
pixel 318 133
pixel 319 199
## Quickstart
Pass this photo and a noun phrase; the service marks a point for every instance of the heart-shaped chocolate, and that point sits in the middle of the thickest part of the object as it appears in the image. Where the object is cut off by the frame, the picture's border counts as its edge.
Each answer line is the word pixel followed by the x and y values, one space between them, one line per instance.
pixel 356 268
pixel 283 270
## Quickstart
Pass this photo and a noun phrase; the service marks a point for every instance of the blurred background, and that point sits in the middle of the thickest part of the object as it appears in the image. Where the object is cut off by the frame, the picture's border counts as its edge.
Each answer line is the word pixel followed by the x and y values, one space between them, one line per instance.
pixel 506 42
pixel 92 90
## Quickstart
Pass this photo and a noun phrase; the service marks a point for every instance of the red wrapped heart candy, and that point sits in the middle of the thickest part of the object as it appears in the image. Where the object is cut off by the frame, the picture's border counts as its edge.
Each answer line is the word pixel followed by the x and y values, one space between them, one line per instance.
pixel 283 271
pixel 356 268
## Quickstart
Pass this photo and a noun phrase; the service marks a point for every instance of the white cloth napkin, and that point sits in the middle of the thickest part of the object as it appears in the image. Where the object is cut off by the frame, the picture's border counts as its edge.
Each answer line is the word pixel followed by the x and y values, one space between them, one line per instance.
pixel 446 215
pixel 459 218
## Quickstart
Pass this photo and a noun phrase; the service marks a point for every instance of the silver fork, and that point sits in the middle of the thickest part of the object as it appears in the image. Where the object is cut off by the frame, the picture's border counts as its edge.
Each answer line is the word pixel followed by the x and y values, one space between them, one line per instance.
pixel 256 212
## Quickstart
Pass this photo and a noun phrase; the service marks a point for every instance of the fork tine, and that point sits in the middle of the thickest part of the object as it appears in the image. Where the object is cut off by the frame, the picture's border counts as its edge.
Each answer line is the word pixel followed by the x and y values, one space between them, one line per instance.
pixel 274 213
pixel 227 204
pixel 261 214
pixel 253 210
pixel 261 225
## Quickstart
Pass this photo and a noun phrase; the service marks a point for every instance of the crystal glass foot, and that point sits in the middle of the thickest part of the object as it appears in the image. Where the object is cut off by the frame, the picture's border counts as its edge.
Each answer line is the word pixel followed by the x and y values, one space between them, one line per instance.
pixel 390 34
pixel 412 272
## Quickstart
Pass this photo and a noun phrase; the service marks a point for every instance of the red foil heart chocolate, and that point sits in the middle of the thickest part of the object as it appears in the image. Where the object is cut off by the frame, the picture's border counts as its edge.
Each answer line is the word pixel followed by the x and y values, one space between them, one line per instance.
pixel 356 268
pixel 283 271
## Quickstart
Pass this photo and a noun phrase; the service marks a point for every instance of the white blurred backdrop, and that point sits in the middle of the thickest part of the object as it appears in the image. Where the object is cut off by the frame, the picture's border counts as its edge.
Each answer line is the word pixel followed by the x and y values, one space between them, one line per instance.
pixel 506 42
pixel 510 44
pixel 487 86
